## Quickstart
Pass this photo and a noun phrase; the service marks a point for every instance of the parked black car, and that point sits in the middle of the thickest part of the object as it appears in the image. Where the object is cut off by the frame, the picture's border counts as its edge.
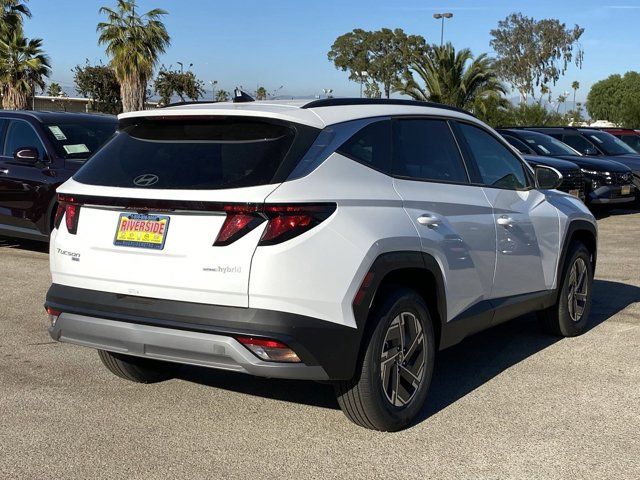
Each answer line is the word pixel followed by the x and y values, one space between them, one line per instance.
pixel 573 181
pixel 606 181
pixel 38 152
pixel 596 143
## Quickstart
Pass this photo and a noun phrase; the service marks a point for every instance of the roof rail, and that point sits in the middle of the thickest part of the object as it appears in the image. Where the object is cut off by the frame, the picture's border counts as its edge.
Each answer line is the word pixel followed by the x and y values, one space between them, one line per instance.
pixel 336 102
pixel 188 102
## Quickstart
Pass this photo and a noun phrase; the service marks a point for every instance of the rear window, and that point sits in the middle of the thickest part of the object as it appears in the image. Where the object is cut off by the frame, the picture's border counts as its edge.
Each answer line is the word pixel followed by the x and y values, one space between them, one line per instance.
pixel 79 140
pixel 200 154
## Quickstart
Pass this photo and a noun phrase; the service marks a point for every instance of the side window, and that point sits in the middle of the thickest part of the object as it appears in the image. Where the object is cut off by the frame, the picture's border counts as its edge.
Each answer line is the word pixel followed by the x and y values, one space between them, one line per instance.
pixel 20 135
pixel 498 167
pixel 519 145
pixel 578 142
pixel 371 146
pixel 425 149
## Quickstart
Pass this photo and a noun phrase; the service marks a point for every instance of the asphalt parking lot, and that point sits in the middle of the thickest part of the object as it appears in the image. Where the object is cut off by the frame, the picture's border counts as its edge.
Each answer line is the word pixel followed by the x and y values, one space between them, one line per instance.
pixel 508 403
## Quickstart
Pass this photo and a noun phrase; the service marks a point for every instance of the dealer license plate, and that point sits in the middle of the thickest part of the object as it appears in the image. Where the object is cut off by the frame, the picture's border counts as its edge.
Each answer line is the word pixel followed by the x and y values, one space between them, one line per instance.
pixel 625 190
pixel 141 230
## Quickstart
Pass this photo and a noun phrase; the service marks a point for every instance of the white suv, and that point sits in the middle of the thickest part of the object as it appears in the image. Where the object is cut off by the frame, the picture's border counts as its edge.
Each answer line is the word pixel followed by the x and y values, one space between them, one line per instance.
pixel 339 240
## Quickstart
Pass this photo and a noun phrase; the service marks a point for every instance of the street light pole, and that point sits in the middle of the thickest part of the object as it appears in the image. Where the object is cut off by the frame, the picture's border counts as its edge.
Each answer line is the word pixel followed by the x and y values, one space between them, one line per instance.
pixel 441 17
pixel 213 89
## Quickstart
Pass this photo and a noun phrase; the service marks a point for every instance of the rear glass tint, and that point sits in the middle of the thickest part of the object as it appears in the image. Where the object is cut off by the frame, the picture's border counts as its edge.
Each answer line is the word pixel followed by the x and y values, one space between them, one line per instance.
pixel 200 154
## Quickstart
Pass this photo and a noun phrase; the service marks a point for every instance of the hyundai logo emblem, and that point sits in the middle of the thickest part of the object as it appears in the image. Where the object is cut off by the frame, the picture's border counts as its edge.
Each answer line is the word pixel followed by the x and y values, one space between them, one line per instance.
pixel 146 180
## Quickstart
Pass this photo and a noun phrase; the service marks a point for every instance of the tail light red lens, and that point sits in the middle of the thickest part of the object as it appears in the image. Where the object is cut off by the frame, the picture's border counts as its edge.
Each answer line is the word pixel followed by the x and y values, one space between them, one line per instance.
pixel 70 210
pixel 241 219
pixel 289 221
pixel 284 222
pixel 269 350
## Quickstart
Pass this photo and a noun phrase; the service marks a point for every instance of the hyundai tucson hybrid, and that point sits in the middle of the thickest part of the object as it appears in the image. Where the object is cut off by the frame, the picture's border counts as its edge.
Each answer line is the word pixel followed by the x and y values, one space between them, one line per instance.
pixel 338 240
pixel 607 181
pixel 38 152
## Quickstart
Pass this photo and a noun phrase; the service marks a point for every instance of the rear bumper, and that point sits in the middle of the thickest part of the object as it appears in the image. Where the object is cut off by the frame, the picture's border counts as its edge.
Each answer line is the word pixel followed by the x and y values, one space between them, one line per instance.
pixel 172 345
pixel 202 334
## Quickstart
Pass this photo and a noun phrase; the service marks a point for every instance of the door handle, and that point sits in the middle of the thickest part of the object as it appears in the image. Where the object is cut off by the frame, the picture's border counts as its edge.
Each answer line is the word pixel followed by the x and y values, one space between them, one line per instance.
pixel 428 220
pixel 4 171
pixel 506 221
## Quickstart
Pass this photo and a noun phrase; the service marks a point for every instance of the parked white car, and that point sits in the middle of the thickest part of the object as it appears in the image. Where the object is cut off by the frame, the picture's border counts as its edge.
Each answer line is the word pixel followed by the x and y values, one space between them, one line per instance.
pixel 341 240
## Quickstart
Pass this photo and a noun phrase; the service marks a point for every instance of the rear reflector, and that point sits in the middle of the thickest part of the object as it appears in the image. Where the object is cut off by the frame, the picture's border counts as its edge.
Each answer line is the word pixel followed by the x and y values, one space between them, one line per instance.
pixel 53 315
pixel 269 350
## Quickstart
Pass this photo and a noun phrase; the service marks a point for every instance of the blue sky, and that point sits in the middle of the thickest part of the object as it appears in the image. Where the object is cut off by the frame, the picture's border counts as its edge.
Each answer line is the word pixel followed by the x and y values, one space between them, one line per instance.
pixel 285 42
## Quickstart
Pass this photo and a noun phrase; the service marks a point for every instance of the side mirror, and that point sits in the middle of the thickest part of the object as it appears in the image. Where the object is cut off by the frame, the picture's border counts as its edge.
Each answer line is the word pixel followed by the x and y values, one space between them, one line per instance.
pixel 26 155
pixel 547 178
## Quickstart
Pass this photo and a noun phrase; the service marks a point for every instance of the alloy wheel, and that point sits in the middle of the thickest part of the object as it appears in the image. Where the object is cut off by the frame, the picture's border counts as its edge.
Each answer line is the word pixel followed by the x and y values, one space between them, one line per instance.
pixel 578 289
pixel 402 360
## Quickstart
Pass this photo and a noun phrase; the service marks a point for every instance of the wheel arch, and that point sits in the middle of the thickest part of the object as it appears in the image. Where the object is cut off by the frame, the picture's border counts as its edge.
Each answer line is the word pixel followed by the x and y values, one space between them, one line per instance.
pixel 417 271
pixel 582 231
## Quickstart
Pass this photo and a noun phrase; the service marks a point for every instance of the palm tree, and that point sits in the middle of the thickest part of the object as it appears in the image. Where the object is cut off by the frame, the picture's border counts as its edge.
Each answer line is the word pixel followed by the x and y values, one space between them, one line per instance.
pixel 23 66
pixel 11 13
pixel 453 78
pixel 222 96
pixel 575 85
pixel 134 43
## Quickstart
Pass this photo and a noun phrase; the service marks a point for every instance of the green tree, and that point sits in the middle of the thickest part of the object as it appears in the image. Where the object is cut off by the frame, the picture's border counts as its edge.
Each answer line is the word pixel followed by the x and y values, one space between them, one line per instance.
pixel 533 52
pixel 55 90
pixel 261 93
pixel 372 90
pixel 134 42
pixel 99 84
pixel 176 82
pixel 452 77
pixel 23 67
pixel 222 96
pixel 381 56
pixel 616 99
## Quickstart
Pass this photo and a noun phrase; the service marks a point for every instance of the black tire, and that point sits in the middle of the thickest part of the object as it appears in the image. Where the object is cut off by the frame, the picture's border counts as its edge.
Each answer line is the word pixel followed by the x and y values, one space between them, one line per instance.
pixel 137 369
pixel 363 399
pixel 558 319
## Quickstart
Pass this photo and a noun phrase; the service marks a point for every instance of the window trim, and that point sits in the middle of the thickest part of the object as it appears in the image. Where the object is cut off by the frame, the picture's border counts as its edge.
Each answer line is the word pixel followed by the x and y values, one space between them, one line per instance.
pixel 528 171
pixel 46 158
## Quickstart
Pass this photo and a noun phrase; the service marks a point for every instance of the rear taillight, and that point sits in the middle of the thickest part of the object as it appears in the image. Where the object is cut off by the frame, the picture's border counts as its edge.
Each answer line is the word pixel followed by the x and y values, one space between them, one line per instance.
pixel 241 219
pixel 284 222
pixel 269 350
pixel 289 221
pixel 70 210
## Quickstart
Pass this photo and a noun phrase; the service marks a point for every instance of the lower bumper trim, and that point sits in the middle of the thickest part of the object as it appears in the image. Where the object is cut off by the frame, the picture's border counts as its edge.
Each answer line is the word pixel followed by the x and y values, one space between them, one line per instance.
pixel 172 345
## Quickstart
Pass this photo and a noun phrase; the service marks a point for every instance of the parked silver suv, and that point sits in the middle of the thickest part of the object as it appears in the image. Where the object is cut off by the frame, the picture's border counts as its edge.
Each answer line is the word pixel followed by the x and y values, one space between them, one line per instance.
pixel 337 240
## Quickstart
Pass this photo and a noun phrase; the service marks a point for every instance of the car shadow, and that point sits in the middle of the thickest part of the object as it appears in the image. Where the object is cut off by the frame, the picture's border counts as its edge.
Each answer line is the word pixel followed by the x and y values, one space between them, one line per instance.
pixel 22 244
pixel 459 369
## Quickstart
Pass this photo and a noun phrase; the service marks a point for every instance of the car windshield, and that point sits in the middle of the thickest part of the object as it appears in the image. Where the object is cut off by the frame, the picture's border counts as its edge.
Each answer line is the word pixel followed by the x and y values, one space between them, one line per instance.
pixel 79 140
pixel 546 145
pixel 609 144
